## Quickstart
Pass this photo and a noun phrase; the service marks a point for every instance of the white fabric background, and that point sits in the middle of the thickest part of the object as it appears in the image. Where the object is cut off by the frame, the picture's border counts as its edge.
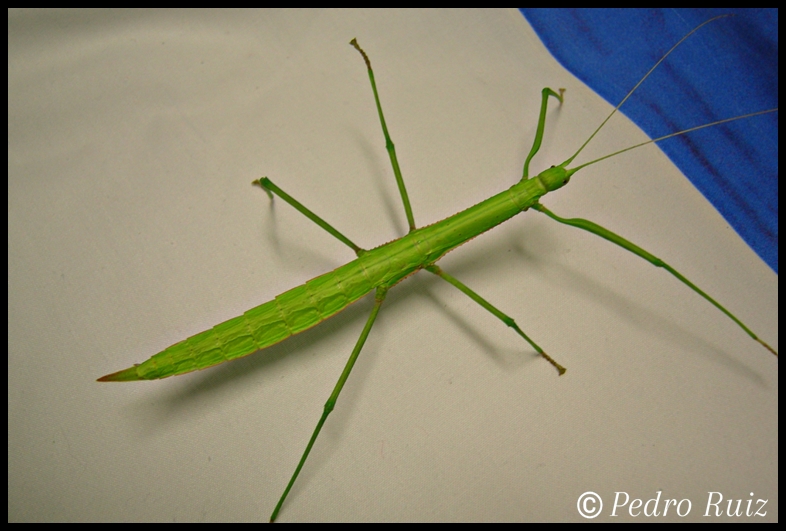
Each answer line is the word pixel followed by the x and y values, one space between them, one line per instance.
pixel 133 139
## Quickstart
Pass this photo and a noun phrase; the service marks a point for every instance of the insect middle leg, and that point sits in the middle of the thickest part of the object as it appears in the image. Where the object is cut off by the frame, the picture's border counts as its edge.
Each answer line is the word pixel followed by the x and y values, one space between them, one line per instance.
pixel 268 186
pixel 494 311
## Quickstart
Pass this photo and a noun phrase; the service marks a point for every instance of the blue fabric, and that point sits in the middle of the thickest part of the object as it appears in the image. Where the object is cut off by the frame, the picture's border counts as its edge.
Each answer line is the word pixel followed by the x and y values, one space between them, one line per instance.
pixel 728 68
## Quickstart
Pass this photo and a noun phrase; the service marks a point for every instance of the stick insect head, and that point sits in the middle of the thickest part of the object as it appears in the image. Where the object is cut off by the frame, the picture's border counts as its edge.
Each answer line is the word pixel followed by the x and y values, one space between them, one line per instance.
pixel 555 177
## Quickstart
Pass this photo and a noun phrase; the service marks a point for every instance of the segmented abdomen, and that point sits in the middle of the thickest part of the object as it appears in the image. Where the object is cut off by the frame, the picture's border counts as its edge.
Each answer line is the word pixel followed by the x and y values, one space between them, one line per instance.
pixel 289 313
pixel 307 305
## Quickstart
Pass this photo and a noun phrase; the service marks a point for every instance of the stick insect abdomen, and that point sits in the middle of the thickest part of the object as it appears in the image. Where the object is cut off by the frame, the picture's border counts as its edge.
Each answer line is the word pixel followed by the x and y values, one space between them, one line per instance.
pixel 288 314
pixel 309 304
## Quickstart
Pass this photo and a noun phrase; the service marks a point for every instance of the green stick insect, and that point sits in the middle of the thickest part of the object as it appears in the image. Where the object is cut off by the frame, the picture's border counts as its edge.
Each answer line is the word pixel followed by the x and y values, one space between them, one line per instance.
pixel 377 270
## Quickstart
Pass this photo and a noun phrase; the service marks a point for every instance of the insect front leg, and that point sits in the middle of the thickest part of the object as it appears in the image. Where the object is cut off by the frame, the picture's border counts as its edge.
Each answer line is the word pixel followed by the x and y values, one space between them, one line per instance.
pixel 604 233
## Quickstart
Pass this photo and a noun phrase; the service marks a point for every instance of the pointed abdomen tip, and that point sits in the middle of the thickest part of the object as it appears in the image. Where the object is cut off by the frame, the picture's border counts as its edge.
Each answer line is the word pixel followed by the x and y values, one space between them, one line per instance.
pixel 126 375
